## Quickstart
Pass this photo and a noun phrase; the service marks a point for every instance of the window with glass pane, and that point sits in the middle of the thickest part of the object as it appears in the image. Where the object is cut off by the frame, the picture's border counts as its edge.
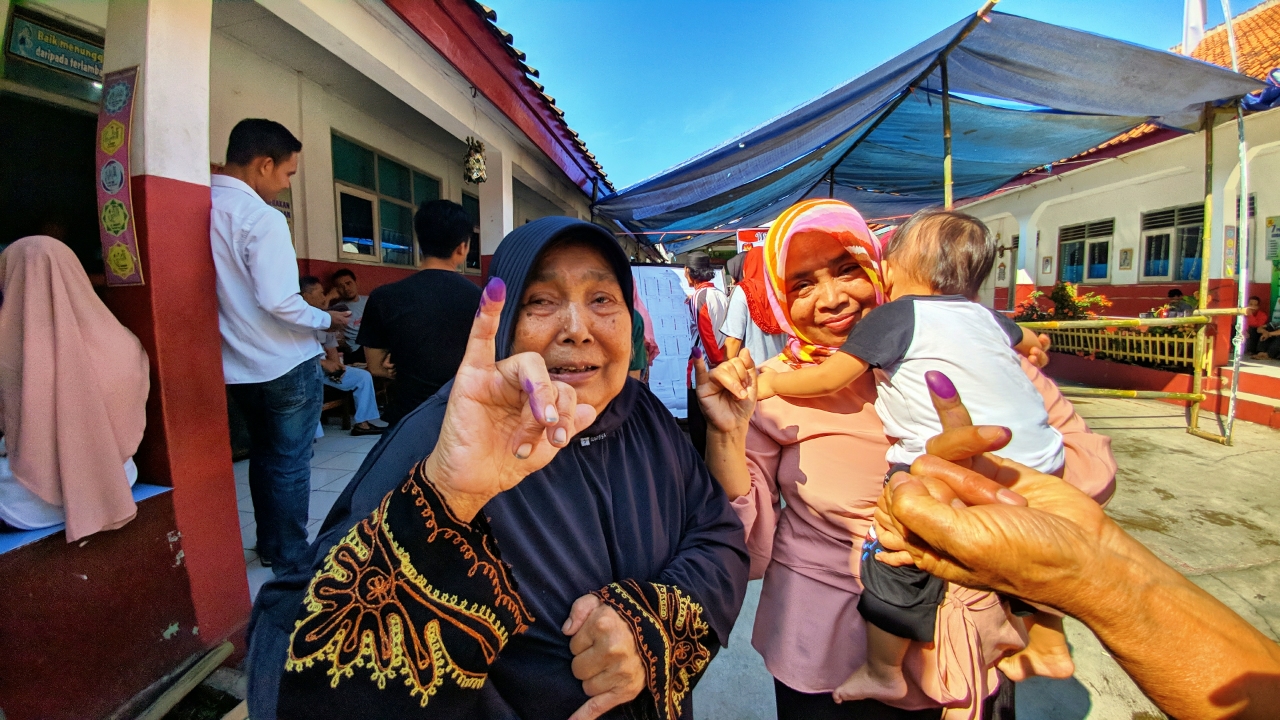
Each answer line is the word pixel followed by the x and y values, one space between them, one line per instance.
pixel 1071 261
pixel 425 189
pixel 1188 267
pixel 393 180
pixel 1099 256
pixel 352 163
pixel 397 232
pixel 472 206
pixel 357 224
pixel 1156 262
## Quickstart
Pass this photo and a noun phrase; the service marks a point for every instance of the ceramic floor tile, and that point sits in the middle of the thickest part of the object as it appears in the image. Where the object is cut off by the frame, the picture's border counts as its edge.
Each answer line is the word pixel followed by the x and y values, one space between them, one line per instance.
pixel 337 484
pixel 321 478
pixel 344 461
pixel 247 518
pixel 241 470
pixel 245 503
pixel 258 576
pixel 321 456
pixel 249 535
pixel 312 529
pixel 321 501
pixel 344 444
pixel 249 556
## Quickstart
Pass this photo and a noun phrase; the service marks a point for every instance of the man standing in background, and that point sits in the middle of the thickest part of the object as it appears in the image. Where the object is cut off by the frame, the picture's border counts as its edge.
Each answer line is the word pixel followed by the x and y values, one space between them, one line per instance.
pixel 707 308
pixel 348 294
pixel 422 323
pixel 270 354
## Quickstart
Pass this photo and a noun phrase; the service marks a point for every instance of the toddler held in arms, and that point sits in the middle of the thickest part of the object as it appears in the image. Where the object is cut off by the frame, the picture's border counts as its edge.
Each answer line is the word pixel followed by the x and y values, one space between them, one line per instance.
pixel 932 328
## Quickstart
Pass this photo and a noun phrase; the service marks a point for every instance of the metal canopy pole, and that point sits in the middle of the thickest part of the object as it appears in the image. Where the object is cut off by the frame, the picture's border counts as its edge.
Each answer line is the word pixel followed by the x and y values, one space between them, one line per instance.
pixel 948 200
pixel 1242 234
pixel 942 54
pixel 1206 245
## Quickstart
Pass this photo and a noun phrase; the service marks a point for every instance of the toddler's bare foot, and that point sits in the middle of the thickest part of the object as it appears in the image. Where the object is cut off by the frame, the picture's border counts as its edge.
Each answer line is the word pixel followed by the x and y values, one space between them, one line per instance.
pixel 1044 656
pixel 873 681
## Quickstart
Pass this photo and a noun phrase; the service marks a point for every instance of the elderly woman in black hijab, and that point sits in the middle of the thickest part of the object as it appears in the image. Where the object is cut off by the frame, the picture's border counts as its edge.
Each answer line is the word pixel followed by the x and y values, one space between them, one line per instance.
pixel 626 566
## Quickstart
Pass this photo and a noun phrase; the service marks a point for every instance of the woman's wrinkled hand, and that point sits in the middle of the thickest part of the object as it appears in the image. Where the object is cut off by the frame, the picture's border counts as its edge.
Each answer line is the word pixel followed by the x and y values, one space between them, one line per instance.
pixel 605 657
pixel 960 442
pixel 727 394
pixel 504 419
pixel 1038 552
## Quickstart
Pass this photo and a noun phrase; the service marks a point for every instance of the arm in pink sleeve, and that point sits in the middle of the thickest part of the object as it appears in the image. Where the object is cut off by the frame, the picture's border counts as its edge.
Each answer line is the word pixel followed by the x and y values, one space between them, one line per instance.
pixel 758 509
pixel 1090 465
pixel 644 313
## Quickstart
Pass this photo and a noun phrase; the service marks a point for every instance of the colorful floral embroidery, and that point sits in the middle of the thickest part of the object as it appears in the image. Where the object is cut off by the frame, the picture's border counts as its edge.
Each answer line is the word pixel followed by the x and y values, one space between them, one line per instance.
pixel 372 608
pixel 670 634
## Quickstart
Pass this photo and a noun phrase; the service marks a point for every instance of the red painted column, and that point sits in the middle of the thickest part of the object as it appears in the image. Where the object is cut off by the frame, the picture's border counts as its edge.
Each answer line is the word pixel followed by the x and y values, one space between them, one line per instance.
pixel 175 313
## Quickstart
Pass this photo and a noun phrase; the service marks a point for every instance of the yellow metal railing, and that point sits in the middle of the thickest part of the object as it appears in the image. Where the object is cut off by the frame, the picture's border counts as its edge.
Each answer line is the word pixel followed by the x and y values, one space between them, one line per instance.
pixel 1127 345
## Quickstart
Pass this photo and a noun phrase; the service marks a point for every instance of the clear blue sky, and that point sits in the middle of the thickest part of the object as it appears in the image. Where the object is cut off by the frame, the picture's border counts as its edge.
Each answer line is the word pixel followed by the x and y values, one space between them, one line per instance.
pixel 651 83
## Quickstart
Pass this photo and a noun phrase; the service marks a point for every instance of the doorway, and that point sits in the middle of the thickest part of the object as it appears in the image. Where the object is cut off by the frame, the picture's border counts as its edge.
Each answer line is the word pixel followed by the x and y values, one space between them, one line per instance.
pixel 47 179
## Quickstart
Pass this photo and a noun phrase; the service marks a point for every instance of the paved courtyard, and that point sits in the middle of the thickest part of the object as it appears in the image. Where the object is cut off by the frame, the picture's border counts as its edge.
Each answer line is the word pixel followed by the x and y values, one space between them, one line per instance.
pixel 1212 512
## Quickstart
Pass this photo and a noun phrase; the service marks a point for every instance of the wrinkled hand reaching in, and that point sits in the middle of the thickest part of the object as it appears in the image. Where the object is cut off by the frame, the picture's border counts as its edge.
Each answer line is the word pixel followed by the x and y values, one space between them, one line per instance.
pixel 505 419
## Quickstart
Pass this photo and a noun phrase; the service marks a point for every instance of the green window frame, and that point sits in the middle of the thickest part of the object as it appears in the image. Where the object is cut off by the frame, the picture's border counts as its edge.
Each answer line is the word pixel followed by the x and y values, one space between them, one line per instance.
pixel 375 197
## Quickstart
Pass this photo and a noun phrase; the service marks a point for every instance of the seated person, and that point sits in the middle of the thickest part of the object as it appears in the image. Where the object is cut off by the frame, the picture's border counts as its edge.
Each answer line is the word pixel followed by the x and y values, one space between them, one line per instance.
pixel 1178 302
pixel 345 291
pixel 1255 321
pixel 73 396
pixel 337 375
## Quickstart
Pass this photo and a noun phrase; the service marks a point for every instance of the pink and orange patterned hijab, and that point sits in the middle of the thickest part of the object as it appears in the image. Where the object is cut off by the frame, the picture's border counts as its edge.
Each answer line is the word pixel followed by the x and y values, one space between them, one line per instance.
pixel 842 222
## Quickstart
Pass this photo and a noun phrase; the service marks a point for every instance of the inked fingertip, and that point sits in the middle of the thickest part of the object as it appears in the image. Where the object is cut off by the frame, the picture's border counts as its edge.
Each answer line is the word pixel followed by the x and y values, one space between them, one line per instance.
pixel 940 385
pixel 697 353
pixel 495 290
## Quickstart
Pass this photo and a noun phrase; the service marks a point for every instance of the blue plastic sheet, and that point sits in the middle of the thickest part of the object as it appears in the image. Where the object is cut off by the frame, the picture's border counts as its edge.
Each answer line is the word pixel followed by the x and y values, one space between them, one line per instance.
pixel 1033 93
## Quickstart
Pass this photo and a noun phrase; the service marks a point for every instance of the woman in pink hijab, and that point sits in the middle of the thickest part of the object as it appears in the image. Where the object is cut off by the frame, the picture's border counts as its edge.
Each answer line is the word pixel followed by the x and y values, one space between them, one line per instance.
pixel 825 457
pixel 73 395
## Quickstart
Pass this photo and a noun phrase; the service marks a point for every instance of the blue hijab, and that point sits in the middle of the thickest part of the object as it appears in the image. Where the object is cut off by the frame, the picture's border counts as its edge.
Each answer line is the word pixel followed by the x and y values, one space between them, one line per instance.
pixel 629 498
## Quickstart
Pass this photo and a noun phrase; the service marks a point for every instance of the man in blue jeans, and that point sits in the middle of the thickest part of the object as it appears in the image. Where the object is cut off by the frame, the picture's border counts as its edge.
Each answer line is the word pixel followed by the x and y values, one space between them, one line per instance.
pixel 270 354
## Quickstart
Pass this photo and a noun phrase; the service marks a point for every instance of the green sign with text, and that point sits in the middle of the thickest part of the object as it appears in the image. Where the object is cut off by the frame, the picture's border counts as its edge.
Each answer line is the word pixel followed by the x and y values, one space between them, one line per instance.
pixel 54 49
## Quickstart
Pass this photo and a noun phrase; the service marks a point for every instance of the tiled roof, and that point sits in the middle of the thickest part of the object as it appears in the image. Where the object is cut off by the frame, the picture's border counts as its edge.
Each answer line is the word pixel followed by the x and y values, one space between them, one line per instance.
pixel 1258 41
pixel 491 18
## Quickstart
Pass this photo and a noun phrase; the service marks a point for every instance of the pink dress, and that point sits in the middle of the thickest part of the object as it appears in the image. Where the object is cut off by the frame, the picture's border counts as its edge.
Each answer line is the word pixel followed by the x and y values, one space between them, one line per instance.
pixel 825 458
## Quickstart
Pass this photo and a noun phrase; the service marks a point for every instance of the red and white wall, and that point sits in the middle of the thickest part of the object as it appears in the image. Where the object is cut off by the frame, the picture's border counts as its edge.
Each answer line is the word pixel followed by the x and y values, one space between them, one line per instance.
pixel 1151 178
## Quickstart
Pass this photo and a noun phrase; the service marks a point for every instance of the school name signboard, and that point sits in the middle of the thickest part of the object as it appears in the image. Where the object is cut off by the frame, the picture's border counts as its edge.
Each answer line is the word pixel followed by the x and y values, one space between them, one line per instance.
pixel 57 50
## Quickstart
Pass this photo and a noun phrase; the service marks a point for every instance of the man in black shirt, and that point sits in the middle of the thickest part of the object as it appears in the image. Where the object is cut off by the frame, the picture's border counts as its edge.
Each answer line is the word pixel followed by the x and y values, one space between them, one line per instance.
pixel 420 325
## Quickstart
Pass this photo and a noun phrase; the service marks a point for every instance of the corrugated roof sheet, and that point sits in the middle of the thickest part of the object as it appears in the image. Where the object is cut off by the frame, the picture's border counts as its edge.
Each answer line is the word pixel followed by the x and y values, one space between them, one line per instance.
pixel 1258 40
pixel 490 17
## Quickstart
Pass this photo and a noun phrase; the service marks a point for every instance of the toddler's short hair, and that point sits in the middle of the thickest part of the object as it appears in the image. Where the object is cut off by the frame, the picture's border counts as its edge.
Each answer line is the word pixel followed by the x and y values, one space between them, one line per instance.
pixel 950 251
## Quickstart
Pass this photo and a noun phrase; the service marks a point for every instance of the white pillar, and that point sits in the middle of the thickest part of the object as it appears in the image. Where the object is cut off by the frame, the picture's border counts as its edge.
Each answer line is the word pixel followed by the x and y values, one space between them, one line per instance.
pixel 169 41
pixel 497 201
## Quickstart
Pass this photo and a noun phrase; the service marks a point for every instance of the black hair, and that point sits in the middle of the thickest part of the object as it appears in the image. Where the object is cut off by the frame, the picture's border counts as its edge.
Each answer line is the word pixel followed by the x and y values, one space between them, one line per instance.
pixel 253 138
pixel 1175 293
pixel 1255 297
pixel 701 275
pixel 306 282
pixel 342 272
pixel 442 226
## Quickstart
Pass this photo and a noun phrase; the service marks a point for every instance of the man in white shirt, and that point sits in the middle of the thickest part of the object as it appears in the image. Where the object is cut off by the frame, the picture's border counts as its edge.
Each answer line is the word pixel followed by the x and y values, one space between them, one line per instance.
pixel 270 354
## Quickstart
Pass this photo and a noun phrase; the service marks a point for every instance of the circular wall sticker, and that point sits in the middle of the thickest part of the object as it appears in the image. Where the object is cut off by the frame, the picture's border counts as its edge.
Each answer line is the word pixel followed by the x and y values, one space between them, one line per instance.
pixel 115 97
pixel 111 177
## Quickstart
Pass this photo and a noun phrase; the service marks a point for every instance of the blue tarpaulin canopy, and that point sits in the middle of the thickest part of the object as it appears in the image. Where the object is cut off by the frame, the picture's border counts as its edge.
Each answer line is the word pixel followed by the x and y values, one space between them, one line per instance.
pixel 1022 94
